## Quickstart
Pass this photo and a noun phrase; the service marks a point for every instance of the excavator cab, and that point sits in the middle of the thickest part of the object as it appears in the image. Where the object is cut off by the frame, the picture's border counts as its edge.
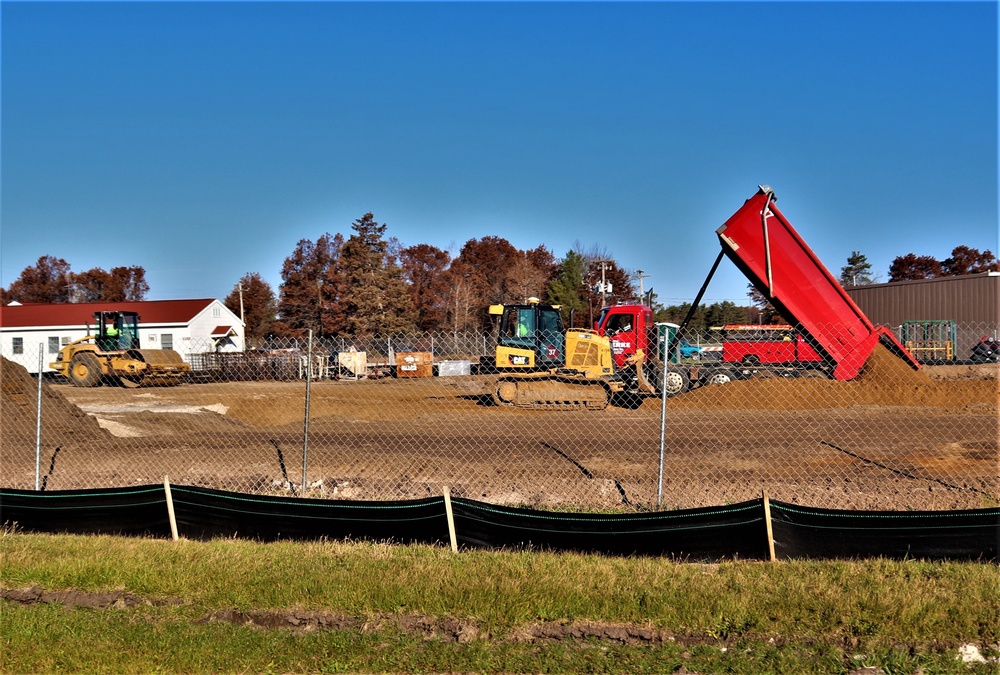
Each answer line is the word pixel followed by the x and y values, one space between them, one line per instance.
pixel 116 331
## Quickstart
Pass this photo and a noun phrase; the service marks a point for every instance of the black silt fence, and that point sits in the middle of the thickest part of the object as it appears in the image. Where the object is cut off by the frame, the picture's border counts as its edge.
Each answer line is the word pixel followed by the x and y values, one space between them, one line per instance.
pixel 715 533
pixel 804 532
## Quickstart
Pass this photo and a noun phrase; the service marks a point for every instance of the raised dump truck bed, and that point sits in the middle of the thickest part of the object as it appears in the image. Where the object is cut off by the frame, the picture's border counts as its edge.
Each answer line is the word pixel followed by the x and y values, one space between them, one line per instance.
pixel 772 255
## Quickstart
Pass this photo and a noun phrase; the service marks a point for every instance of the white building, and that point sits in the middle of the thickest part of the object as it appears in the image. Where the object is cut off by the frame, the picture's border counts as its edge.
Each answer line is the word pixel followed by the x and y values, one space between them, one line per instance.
pixel 186 326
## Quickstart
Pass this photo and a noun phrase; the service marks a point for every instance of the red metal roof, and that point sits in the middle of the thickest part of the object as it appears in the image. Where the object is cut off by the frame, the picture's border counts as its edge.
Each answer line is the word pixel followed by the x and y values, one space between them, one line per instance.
pixel 223 331
pixel 81 313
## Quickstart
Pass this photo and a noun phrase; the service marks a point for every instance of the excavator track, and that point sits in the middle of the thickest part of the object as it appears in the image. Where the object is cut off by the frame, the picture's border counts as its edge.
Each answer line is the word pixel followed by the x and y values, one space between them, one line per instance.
pixel 546 391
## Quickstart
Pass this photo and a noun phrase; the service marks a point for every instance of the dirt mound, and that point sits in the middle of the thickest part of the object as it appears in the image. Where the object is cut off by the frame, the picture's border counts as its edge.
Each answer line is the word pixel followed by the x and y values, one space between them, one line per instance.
pixel 885 381
pixel 62 421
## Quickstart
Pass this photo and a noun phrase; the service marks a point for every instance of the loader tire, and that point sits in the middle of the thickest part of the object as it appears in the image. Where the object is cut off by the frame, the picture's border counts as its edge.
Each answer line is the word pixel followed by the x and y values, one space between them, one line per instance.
pixel 85 370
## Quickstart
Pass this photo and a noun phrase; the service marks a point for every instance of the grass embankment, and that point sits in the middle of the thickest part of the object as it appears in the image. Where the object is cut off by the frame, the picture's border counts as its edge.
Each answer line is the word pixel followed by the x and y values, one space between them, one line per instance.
pixel 233 606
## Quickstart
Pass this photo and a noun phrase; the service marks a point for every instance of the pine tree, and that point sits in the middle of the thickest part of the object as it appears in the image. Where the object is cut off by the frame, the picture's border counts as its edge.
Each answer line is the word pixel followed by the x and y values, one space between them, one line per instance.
pixel 857 272
pixel 567 288
pixel 376 300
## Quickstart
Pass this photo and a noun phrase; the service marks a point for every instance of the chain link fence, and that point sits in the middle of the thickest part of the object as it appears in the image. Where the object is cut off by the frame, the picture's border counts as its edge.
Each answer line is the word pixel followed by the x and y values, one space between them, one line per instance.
pixel 401 417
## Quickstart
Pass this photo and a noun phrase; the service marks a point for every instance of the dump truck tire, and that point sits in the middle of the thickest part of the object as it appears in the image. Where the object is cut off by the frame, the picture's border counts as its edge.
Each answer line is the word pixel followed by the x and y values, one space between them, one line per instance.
pixel 720 377
pixel 85 370
pixel 677 382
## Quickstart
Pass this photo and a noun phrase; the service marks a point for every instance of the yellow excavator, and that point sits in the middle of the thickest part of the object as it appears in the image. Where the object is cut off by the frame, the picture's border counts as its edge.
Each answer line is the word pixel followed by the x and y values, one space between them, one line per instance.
pixel 112 353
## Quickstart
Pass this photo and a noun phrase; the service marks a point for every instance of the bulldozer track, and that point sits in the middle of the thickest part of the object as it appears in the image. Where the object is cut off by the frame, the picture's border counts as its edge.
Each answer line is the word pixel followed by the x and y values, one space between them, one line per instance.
pixel 542 391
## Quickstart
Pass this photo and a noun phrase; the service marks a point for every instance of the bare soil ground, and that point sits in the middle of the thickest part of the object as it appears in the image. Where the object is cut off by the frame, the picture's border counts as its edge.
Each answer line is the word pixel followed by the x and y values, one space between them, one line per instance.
pixel 892 439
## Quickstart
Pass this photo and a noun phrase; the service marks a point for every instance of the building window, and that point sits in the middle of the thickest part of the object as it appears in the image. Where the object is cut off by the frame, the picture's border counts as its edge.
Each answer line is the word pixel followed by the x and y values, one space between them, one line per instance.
pixel 166 341
pixel 216 312
pixel 53 345
pixel 17 345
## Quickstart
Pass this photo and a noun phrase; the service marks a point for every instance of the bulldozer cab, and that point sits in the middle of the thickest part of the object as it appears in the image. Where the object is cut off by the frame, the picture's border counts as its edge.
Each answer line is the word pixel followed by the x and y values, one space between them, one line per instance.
pixel 116 331
pixel 534 327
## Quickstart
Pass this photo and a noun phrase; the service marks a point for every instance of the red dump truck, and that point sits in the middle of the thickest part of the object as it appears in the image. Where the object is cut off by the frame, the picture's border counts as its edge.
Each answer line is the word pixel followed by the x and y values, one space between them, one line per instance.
pixel 772 255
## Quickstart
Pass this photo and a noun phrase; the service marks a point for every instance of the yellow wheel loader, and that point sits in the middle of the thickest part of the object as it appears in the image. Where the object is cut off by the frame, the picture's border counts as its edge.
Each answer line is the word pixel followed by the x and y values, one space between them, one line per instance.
pixel 112 353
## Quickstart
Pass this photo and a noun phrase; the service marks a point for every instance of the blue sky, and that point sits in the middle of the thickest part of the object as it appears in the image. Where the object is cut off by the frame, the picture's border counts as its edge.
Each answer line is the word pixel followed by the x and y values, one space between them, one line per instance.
pixel 202 141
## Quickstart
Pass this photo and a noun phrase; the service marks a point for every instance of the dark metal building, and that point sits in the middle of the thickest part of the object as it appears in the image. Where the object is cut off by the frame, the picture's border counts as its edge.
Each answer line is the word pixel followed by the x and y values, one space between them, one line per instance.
pixel 971 301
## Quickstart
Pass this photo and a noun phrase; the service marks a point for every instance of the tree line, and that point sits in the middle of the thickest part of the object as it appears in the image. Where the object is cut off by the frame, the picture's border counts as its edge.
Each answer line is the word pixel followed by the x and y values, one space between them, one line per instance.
pixel 50 280
pixel 368 283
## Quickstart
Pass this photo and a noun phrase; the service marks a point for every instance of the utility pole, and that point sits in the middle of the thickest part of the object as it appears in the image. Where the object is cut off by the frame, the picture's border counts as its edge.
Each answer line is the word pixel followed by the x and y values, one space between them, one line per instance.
pixel 604 284
pixel 241 304
pixel 642 275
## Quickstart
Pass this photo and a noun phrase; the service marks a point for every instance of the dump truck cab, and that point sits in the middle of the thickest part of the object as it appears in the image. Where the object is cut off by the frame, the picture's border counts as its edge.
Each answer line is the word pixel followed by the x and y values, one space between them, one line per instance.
pixel 629 328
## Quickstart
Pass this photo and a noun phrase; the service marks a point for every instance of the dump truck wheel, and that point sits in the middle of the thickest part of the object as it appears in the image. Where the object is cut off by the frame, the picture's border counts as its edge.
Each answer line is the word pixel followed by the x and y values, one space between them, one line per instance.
pixel 85 370
pixel 677 382
pixel 721 377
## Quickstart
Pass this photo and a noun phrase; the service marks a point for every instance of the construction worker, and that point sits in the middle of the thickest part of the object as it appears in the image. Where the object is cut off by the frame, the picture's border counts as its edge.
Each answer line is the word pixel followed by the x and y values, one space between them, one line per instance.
pixel 111 336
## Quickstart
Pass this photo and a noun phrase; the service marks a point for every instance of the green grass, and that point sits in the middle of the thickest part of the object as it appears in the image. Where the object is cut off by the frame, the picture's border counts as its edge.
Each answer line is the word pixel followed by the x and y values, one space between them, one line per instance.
pixel 822 617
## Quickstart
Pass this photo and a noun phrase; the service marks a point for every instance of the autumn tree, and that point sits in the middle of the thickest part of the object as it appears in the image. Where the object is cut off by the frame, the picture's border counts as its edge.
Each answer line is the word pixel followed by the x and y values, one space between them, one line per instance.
pixel 486 263
pixel 49 280
pixel 529 274
pixel 253 300
pixel 375 298
pixel 89 286
pixel 121 284
pixel 857 271
pixel 480 275
pixel 424 268
pixel 910 266
pixel 461 301
pixel 311 288
pixel 965 260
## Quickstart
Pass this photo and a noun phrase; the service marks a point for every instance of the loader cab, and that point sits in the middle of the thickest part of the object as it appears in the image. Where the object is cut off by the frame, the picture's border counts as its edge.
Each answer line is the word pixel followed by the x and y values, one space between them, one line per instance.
pixel 116 331
pixel 531 336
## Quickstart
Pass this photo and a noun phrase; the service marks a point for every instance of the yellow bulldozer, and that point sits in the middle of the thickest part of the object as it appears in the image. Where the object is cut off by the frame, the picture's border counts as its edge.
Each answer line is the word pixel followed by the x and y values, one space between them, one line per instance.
pixel 544 365
pixel 112 354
